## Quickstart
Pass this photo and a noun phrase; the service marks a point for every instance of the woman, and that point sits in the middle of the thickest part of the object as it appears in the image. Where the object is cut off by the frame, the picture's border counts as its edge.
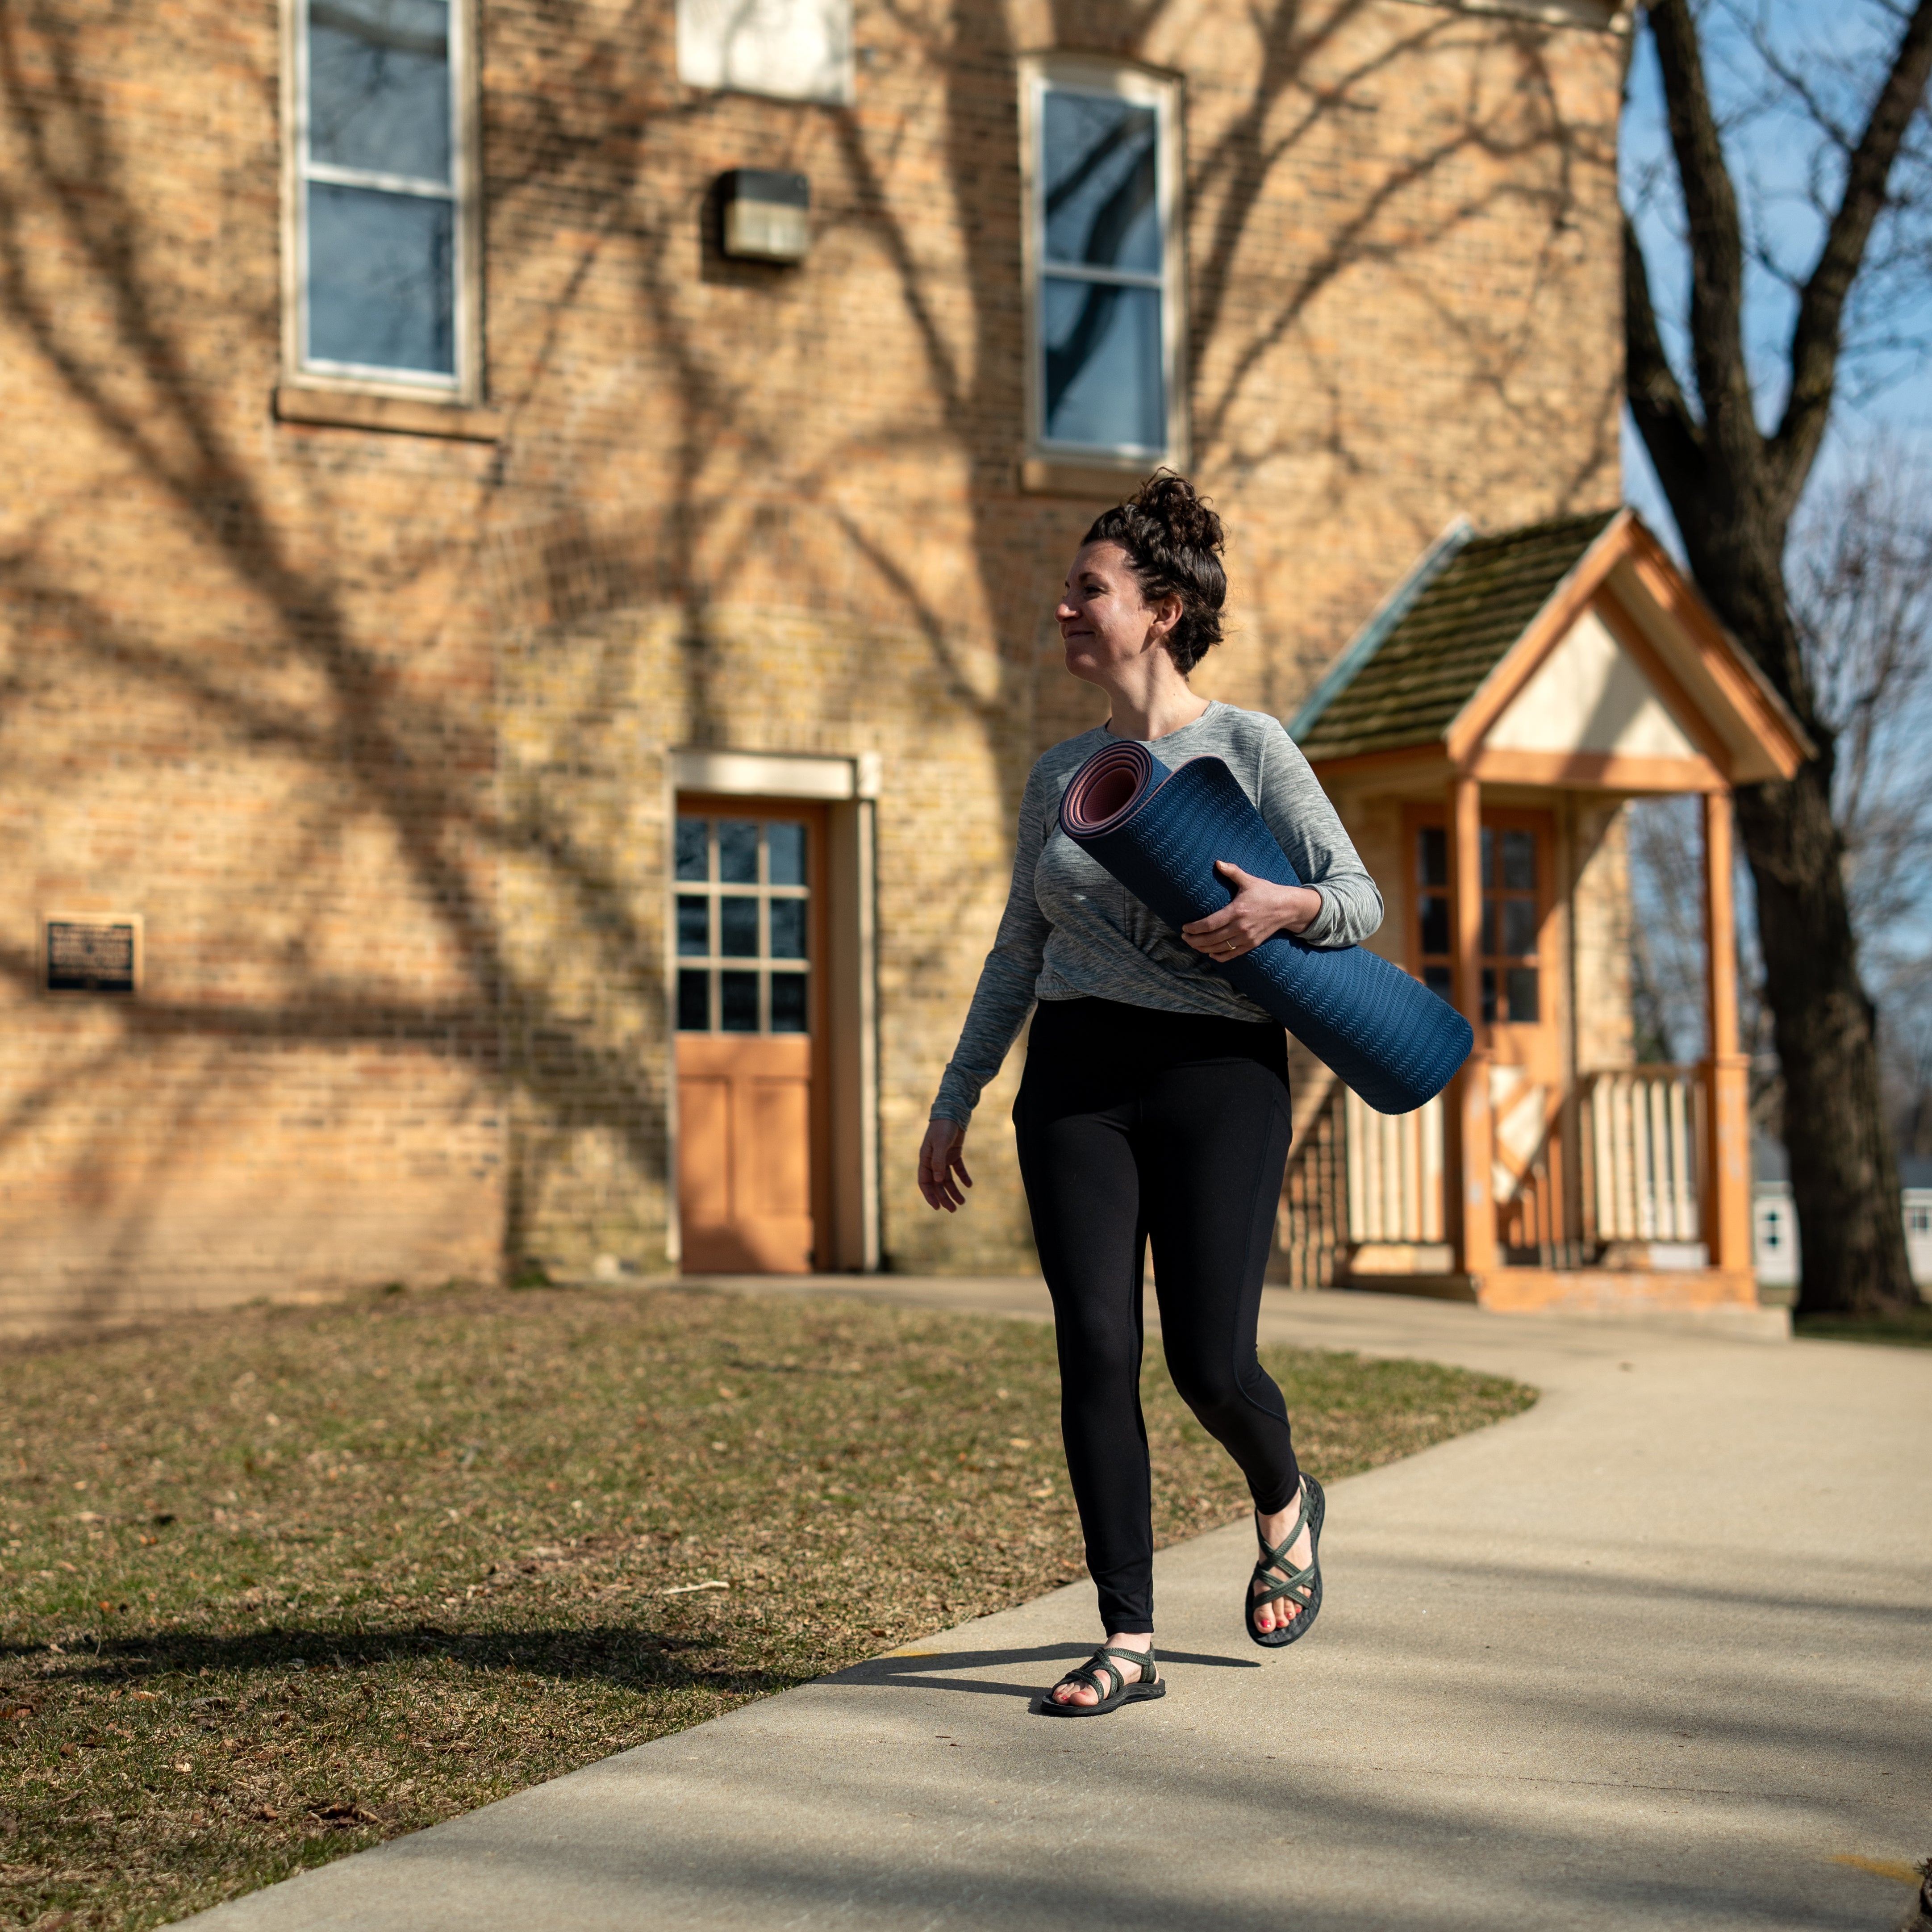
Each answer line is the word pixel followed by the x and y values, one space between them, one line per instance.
pixel 1155 1103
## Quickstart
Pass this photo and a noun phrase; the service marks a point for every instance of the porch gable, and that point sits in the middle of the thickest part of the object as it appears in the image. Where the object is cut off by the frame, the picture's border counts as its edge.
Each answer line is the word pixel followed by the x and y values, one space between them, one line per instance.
pixel 1569 653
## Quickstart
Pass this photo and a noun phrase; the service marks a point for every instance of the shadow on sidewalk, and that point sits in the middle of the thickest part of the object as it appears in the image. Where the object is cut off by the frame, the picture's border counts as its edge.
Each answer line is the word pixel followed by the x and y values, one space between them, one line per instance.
pixel 915 1670
pixel 624 1654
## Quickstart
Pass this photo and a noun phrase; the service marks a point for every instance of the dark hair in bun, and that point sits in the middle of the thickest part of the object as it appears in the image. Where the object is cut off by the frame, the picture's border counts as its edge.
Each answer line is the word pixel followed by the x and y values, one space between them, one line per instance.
pixel 1173 539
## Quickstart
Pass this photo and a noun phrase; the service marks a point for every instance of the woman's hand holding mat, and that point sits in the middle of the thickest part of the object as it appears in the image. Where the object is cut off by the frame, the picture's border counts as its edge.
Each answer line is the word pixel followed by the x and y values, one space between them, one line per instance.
pixel 1161 833
pixel 1259 910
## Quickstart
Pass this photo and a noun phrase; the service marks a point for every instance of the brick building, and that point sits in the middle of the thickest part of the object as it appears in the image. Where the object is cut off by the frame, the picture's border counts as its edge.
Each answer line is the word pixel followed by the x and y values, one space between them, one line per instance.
pixel 527 540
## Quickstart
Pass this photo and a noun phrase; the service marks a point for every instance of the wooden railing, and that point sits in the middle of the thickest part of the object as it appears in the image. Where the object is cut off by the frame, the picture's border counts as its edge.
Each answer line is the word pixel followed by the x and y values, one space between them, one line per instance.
pixel 1395 1173
pixel 1312 1226
pixel 1357 1178
pixel 1643 1128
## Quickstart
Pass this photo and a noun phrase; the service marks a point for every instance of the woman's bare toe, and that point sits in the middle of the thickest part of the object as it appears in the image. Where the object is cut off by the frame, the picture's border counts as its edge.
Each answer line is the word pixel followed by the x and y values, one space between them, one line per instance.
pixel 1281 1613
pixel 1278 1614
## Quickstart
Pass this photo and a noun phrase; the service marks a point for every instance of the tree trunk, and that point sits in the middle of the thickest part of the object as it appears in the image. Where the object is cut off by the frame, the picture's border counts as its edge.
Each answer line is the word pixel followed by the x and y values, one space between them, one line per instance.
pixel 1844 1170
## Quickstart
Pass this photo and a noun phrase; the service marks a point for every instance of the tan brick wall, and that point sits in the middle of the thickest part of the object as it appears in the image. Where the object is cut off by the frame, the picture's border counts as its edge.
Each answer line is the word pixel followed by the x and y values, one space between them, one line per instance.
pixel 371 728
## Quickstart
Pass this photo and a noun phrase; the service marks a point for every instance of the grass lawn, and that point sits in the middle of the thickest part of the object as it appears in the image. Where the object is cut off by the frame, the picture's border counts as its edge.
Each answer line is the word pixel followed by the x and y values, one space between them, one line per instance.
pixel 280 1583
pixel 1912 1330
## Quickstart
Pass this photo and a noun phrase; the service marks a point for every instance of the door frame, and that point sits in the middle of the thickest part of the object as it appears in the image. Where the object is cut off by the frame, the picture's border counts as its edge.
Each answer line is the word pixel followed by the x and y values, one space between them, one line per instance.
pixel 1548 1041
pixel 845 1003
pixel 812 814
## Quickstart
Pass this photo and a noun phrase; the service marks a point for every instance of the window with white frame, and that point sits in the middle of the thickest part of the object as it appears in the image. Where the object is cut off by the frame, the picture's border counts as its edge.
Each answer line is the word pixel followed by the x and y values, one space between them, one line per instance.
pixel 381 212
pixel 1103 259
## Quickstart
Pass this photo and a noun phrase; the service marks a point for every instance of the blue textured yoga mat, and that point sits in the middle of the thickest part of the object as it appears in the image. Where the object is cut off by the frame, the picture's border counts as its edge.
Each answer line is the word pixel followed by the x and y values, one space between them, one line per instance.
pixel 1160 832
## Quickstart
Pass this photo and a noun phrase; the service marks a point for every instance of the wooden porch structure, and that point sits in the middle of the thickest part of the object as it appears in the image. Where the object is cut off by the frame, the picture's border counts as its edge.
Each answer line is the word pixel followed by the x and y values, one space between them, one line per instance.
pixel 1480 737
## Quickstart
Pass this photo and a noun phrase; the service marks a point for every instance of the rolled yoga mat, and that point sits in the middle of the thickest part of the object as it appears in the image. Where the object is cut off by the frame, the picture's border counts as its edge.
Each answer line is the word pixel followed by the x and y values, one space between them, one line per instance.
pixel 1160 832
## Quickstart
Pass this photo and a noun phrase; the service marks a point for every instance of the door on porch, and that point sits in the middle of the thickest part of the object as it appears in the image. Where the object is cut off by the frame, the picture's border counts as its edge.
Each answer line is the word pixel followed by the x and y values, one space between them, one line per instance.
pixel 752 1164
pixel 1520 1027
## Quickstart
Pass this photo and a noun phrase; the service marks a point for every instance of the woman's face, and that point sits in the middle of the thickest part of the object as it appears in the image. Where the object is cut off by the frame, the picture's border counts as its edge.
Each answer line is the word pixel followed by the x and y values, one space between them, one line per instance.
pixel 1105 624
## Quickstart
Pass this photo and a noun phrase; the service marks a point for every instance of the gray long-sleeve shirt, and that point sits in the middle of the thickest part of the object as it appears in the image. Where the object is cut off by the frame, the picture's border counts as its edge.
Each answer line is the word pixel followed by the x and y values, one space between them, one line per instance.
pixel 1071 931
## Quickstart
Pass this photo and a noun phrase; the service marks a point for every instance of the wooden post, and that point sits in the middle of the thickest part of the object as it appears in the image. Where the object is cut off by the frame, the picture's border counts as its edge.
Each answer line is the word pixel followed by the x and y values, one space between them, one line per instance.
pixel 1726 1175
pixel 1476 1209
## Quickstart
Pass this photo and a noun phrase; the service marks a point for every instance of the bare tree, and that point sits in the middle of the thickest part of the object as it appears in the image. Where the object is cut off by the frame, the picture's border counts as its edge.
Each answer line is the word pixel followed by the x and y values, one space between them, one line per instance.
pixel 1862 592
pixel 1734 486
pixel 1860 570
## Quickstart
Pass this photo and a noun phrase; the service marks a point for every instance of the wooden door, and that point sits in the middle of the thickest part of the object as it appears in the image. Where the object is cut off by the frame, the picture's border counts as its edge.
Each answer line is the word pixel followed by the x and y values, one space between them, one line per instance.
pixel 1520 1020
pixel 751 1174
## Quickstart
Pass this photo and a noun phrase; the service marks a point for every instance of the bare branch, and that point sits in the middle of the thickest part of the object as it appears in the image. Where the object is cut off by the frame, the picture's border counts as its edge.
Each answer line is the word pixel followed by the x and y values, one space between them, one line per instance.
pixel 1861 598
pixel 1816 334
pixel 1670 432
pixel 1717 240
pixel 1797 82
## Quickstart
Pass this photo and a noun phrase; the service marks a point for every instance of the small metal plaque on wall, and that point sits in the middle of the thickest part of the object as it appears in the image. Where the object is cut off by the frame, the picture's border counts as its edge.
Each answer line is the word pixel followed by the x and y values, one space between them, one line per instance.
pixel 91 952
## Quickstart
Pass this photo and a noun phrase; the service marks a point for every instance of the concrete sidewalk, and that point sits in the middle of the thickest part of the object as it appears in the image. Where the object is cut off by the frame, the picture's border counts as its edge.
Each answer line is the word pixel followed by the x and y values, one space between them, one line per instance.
pixel 1657 1653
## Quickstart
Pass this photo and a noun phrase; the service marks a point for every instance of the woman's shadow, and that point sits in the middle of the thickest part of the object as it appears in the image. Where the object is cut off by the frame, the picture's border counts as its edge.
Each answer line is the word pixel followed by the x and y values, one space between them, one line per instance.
pixel 912 1669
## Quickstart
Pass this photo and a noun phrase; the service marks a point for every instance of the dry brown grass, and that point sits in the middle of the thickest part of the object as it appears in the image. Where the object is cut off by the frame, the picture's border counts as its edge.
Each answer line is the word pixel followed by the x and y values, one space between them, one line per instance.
pixel 277 1585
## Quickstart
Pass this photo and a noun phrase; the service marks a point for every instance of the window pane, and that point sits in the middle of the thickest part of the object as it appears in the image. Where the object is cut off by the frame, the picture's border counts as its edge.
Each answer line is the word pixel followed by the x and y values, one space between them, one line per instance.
pixel 741 1002
pixel 1523 1008
pixel 379 85
pixel 381 286
pixel 694 925
pixel 788 928
pixel 693 1002
pixel 1432 856
pixel 1489 993
pixel 784 854
pixel 1435 925
pixel 1519 926
pixel 738 928
pixel 1519 861
pixel 1489 928
pixel 738 851
pixel 1104 385
pixel 1100 157
pixel 693 853
pixel 788 1003
pixel 1436 979
pixel 1488 860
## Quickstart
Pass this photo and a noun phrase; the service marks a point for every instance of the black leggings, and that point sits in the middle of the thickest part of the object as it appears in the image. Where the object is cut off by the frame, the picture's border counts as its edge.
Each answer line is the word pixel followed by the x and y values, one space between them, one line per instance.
pixel 1135 1125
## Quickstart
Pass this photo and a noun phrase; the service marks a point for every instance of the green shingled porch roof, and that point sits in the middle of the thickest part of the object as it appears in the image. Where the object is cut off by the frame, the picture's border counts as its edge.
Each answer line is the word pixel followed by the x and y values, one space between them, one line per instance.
pixel 1410 687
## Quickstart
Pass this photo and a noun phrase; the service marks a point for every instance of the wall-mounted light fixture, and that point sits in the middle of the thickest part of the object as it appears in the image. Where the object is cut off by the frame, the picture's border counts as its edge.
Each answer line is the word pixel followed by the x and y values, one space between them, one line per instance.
pixel 765 215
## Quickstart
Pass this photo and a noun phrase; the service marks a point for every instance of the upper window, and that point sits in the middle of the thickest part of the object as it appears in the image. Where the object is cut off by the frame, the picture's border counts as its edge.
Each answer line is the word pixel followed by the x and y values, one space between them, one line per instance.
pixel 795 49
pixel 1103 263
pixel 381 245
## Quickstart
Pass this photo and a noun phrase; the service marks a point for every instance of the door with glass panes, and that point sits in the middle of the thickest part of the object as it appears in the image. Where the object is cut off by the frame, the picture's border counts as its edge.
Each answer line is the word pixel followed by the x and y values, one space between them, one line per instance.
pixel 750 1091
pixel 1518 1024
